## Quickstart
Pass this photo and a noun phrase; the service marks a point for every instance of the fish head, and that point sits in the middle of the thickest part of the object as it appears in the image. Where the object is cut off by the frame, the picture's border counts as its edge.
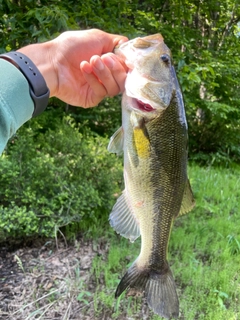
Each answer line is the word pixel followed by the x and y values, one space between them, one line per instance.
pixel 149 80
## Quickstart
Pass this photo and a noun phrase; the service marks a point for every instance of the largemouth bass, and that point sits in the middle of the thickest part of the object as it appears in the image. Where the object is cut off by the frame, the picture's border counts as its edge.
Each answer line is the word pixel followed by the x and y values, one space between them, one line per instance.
pixel 153 138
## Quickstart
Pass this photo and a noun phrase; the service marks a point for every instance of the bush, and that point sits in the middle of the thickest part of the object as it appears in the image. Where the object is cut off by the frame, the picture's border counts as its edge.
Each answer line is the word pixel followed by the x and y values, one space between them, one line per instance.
pixel 203 37
pixel 55 178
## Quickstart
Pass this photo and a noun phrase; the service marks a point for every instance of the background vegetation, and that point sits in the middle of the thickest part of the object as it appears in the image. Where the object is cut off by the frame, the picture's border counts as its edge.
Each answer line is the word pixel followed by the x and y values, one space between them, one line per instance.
pixel 203 37
pixel 56 172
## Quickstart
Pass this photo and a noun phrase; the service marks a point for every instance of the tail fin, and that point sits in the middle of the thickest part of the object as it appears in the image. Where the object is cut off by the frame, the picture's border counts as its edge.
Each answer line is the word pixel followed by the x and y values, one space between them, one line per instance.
pixel 160 290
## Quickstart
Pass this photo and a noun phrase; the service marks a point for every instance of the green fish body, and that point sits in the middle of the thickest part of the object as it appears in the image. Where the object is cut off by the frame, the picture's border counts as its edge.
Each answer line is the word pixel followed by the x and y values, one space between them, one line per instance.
pixel 153 139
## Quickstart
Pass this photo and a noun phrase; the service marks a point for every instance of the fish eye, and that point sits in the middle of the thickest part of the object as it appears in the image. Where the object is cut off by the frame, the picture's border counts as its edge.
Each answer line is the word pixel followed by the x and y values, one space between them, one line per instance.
pixel 165 58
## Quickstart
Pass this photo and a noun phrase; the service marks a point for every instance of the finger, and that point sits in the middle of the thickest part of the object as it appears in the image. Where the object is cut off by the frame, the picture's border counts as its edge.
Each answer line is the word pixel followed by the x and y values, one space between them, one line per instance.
pixel 114 62
pixel 96 91
pixel 106 75
pixel 117 68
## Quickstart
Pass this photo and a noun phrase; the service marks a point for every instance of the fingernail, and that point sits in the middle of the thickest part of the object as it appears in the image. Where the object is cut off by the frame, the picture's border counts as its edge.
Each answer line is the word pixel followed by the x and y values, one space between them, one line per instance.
pixel 99 64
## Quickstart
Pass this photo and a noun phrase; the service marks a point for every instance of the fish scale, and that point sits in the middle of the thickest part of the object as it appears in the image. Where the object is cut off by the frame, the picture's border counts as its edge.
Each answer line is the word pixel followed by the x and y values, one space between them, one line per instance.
pixel 153 139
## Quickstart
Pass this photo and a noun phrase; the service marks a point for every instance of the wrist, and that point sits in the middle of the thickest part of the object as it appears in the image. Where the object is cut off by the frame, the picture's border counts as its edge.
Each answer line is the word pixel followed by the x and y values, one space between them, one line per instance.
pixel 40 54
pixel 38 89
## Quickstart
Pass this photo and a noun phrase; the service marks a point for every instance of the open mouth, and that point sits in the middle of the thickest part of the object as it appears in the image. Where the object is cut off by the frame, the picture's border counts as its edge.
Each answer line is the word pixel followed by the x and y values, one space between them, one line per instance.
pixel 144 106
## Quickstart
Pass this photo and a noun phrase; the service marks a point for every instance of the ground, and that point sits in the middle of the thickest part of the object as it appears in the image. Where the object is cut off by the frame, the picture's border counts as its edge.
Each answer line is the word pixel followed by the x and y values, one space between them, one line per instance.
pixel 52 280
pixel 40 279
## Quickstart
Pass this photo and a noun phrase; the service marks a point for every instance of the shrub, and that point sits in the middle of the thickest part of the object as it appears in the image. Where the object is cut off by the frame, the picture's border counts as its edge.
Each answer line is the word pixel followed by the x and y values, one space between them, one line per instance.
pixel 55 178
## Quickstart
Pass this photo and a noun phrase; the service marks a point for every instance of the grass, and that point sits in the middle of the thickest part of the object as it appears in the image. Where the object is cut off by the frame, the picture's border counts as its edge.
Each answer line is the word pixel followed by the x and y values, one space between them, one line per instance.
pixel 205 247
pixel 204 252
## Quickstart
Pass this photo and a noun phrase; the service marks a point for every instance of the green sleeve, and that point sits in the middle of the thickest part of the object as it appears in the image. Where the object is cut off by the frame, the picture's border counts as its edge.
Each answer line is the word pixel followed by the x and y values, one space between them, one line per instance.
pixel 16 105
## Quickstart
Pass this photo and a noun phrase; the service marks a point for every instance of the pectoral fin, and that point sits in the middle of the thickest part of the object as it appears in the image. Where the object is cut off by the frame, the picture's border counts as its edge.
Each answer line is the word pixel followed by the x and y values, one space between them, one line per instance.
pixel 116 142
pixel 188 200
pixel 123 220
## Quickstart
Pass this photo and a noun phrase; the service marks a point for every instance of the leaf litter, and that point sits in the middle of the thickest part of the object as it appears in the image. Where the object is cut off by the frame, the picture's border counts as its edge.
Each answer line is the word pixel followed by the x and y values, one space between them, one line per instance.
pixel 43 282
pixel 53 281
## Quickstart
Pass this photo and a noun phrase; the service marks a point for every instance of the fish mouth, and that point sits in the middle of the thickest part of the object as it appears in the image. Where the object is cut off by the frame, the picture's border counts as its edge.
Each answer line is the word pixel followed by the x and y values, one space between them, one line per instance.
pixel 143 106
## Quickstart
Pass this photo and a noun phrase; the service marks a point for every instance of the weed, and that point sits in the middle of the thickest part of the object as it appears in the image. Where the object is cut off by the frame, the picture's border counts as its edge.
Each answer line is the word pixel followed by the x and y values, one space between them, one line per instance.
pixel 19 263
pixel 221 297
pixel 234 244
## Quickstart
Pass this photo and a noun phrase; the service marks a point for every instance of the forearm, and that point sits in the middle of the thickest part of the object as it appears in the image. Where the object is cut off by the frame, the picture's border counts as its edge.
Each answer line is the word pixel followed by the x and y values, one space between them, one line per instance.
pixel 16 105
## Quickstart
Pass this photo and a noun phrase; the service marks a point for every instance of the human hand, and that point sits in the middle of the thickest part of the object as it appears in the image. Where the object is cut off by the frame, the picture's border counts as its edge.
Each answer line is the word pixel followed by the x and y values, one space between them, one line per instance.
pixel 79 66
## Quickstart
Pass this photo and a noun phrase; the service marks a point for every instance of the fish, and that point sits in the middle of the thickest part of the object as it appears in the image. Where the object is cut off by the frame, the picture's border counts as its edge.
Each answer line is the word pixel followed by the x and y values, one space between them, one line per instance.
pixel 153 139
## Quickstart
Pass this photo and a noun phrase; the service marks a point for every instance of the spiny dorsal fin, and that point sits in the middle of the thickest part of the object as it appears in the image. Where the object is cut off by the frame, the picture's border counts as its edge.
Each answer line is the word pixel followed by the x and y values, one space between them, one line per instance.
pixel 123 220
pixel 188 201
pixel 116 142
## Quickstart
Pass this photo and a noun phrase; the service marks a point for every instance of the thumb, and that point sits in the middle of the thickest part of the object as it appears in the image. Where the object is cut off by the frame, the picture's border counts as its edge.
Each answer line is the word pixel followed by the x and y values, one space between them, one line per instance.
pixel 112 41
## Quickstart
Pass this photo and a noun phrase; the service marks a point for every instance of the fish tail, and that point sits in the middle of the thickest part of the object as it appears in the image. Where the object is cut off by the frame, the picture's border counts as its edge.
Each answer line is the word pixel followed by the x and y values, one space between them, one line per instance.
pixel 160 289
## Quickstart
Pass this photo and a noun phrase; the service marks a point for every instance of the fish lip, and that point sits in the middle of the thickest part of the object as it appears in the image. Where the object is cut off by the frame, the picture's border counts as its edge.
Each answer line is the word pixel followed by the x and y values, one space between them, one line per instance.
pixel 119 51
pixel 143 75
pixel 150 78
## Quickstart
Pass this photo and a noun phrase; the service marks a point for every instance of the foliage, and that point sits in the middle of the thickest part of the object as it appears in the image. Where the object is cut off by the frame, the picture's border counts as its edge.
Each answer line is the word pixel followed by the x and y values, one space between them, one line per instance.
pixel 43 177
pixel 203 36
pixel 104 120
pixel 55 178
